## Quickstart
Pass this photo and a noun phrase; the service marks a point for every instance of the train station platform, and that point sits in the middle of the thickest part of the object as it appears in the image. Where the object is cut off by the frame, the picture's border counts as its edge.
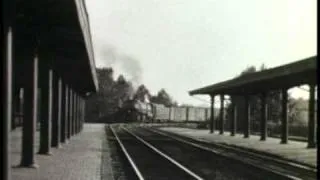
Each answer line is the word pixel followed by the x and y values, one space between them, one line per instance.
pixel 85 157
pixel 294 151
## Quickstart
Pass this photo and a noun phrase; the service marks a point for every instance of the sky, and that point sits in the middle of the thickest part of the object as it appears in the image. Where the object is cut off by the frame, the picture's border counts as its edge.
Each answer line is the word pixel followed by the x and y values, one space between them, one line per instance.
pixel 181 45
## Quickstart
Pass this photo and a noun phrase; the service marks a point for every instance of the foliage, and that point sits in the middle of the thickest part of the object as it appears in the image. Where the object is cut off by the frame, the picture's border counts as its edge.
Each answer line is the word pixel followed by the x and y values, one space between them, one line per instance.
pixel 163 98
pixel 110 95
pixel 273 104
pixel 298 109
pixel 104 105
pixel 142 93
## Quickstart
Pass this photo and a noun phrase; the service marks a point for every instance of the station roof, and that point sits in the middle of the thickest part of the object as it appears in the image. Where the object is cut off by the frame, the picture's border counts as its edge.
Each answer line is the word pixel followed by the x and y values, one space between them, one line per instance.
pixel 285 76
pixel 61 31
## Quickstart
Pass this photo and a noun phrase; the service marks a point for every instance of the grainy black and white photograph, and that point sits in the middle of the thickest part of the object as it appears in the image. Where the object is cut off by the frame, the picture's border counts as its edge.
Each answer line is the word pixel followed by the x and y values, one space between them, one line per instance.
pixel 159 90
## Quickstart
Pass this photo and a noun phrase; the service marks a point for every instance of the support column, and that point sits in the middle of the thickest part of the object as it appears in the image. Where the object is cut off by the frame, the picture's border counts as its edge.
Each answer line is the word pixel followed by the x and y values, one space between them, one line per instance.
pixel 54 140
pixel 30 113
pixel 20 119
pixel 233 119
pixel 63 112
pixel 67 113
pixel 221 114
pixel 74 113
pixel 60 95
pixel 46 110
pixel 7 93
pixel 187 114
pixel 84 113
pixel 264 114
pixel 212 114
pixel 311 121
pixel 81 113
pixel 284 117
pixel 15 105
pixel 205 114
pixel 247 117
pixel 77 112
pixel 70 112
pixel 56 125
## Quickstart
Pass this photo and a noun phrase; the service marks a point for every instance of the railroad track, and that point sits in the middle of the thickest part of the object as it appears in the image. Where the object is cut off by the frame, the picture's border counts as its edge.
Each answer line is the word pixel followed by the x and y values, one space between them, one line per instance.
pixel 147 161
pixel 261 163
pixel 154 154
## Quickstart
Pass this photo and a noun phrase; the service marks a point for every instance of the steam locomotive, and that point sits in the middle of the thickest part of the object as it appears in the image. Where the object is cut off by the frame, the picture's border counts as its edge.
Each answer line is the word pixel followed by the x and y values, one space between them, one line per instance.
pixel 134 110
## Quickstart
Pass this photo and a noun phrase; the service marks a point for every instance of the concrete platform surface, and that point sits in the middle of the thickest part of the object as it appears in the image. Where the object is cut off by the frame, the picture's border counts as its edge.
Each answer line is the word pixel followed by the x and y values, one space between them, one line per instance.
pixel 84 157
pixel 294 150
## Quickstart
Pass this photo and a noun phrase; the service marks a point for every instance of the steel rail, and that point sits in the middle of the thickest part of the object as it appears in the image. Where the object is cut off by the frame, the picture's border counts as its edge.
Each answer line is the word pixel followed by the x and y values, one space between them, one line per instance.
pixel 221 154
pixel 293 164
pixel 133 165
pixel 165 156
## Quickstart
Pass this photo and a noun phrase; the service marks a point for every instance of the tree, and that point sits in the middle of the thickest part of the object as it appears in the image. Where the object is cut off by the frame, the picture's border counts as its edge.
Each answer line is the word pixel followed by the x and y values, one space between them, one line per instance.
pixel 142 93
pixel 105 76
pixel 248 70
pixel 110 95
pixel 97 103
pixel 296 108
pixel 122 89
pixel 273 103
pixel 162 98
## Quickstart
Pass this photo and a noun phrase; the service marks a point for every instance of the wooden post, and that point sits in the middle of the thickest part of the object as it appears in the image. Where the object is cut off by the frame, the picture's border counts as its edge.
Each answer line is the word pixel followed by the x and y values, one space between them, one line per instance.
pixel 15 104
pixel 284 117
pixel 46 110
pixel 30 113
pixel 82 113
pixel 205 114
pixel 311 116
pixel 78 114
pixel 63 113
pixel 7 93
pixel 55 115
pixel 233 119
pixel 221 114
pixel 69 112
pixel 212 114
pixel 187 114
pixel 59 113
pixel 74 119
pixel 247 117
pixel 264 114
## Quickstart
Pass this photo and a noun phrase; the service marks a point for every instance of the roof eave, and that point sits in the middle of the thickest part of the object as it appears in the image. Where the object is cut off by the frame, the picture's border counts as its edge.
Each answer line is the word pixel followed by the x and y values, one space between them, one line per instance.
pixel 83 19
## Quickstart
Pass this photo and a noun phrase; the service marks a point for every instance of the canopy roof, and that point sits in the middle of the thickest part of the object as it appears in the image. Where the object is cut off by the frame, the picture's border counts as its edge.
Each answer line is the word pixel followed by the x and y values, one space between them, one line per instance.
pixel 285 76
pixel 60 32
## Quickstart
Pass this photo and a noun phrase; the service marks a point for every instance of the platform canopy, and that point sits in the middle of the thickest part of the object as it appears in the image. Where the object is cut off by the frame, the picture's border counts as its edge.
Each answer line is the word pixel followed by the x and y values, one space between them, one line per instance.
pixel 285 76
pixel 60 33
